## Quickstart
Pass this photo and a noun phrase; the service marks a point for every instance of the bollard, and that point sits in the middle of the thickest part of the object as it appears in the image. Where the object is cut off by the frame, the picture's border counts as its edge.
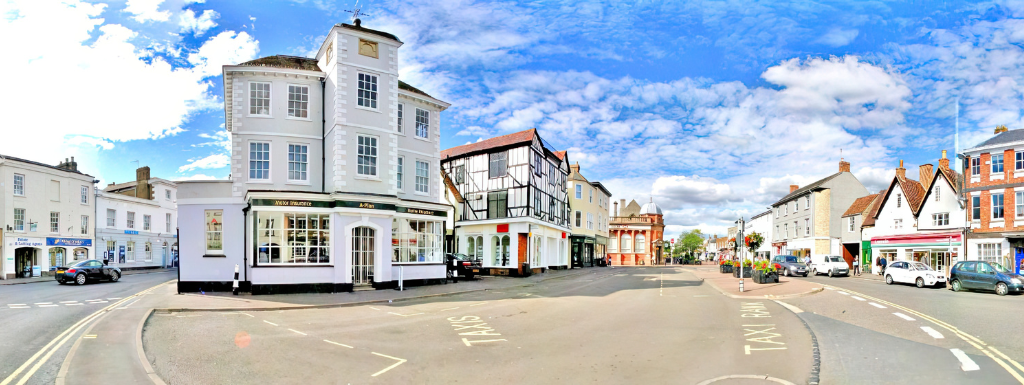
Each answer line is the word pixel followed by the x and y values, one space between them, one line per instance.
pixel 741 286
pixel 234 288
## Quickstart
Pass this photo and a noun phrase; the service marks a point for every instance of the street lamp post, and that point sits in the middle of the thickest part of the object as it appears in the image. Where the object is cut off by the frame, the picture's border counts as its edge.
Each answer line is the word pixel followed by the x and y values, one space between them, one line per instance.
pixel 739 247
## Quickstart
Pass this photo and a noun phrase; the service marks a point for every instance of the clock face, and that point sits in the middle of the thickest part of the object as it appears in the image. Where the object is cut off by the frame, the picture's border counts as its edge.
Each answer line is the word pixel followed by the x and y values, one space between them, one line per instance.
pixel 330 52
pixel 368 48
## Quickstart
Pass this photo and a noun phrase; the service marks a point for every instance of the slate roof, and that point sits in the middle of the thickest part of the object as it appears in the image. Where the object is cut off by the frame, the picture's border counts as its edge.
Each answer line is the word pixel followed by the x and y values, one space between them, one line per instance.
pixel 801 191
pixel 1009 136
pixel 492 143
pixel 41 164
pixel 600 187
pixel 860 205
pixel 869 220
pixel 309 64
pixel 360 28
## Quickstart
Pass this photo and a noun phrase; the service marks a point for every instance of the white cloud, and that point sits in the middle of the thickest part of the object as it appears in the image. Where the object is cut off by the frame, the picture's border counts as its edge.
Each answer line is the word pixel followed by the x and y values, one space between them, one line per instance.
pixel 211 162
pixel 678 191
pixel 107 85
pixel 198 25
pixel 838 37
pixel 220 139
pixel 875 179
pixel 146 10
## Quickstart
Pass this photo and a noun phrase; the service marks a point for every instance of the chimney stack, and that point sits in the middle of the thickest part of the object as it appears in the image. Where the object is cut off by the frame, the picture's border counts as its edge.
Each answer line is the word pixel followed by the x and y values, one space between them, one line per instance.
pixel 142 187
pixel 616 204
pixel 1000 129
pixel 944 162
pixel 844 166
pixel 900 171
pixel 793 187
pixel 926 175
pixel 574 168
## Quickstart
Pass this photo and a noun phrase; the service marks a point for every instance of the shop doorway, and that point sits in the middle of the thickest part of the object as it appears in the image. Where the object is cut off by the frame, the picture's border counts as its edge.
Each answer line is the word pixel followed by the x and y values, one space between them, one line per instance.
pixel 24 259
pixel 81 254
pixel 362 255
pixel 57 256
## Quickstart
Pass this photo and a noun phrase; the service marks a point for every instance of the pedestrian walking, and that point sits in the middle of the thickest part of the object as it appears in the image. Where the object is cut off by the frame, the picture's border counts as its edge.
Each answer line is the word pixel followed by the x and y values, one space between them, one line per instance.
pixel 856 266
pixel 882 262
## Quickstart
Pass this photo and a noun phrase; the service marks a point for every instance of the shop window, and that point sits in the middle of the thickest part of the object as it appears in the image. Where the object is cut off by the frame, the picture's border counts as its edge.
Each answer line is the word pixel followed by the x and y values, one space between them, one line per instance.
pixel 214 229
pixel 293 238
pixel 416 241
pixel 641 244
pixel 130 252
pixel 627 243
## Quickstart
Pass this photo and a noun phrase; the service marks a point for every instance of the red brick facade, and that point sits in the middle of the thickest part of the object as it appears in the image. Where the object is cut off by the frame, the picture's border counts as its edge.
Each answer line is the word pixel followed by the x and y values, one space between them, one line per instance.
pixel 973 184
pixel 651 226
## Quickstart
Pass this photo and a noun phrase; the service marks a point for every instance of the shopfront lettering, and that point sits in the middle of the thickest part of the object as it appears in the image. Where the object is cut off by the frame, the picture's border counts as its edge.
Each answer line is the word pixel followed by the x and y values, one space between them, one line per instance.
pixel 365 205
pixel 293 203
pixel 420 211
pixel 68 242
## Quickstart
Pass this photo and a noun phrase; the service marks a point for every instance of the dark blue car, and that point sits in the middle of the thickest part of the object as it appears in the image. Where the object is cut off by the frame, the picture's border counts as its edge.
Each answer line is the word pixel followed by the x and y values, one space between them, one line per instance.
pixel 81 272
pixel 982 275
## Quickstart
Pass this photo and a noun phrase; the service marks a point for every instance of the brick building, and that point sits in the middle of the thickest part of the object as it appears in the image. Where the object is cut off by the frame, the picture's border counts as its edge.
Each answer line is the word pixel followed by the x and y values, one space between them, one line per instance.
pixel 995 198
pixel 636 234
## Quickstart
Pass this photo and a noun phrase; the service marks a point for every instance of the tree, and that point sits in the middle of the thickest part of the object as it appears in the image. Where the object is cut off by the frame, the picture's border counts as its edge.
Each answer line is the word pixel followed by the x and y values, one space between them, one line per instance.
pixel 690 242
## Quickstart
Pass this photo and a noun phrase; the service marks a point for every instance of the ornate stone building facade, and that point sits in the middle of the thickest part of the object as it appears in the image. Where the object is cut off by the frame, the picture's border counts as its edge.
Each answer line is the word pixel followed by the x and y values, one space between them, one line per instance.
pixel 636 234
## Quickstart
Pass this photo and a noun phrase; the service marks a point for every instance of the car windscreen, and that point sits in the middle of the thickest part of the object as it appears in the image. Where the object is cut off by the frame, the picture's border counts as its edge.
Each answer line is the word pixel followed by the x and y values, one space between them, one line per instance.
pixel 920 267
pixel 75 263
pixel 834 259
pixel 1000 268
pixel 792 260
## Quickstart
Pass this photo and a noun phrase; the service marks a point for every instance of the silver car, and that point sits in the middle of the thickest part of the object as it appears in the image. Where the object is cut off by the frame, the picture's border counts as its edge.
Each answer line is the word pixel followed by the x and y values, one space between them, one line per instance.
pixel 790 265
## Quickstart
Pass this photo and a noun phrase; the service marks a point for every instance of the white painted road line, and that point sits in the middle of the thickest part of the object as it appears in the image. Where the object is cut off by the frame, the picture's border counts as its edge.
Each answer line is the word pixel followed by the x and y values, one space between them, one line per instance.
pixel 405 315
pixel 114 298
pixel 270 322
pixel 451 308
pixel 44 303
pixel 843 292
pixel 400 361
pixel 371 307
pixel 48 305
pixel 857 298
pixel 335 343
pixel 482 303
pixel 966 363
pixel 68 301
pixel 830 288
pixel 876 305
pixel 74 304
pixel 17 307
pixel 16 304
pixel 904 316
pixel 932 332
pixel 297 332
pixel 790 307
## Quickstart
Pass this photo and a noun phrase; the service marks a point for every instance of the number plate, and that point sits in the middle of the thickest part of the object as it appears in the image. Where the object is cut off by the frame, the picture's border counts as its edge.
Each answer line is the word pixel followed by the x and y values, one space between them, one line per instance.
pixel 60 271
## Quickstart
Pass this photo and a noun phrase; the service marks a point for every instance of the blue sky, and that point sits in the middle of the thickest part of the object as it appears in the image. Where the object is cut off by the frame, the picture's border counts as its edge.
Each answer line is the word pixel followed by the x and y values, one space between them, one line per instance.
pixel 712 107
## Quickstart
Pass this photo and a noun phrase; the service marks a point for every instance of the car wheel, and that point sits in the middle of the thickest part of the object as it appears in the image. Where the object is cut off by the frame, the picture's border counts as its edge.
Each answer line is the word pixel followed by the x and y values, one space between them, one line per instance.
pixel 114 276
pixel 830 273
pixel 449 277
pixel 814 271
pixel 80 279
pixel 1001 288
pixel 805 275
pixel 60 281
pixel 955 285
pixel 920 282
pixel 785 272
pixel 888 280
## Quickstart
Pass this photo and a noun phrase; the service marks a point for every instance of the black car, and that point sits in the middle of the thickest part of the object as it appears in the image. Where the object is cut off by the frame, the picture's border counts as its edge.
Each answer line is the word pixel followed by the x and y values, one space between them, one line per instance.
pixel 462 265
pixel 982 275
pixel 81 272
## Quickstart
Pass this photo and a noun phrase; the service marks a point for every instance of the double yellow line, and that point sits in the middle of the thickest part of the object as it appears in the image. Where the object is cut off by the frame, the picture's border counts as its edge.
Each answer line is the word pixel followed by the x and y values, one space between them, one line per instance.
pixel 47 351
pixel 1005 362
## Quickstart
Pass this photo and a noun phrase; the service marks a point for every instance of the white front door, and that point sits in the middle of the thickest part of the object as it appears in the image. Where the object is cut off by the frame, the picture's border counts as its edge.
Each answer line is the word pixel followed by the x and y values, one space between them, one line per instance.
pixel 362 255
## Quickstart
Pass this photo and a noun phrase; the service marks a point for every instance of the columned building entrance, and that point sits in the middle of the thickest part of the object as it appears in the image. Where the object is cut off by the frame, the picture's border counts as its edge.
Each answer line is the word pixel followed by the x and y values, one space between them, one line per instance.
pixel 362 255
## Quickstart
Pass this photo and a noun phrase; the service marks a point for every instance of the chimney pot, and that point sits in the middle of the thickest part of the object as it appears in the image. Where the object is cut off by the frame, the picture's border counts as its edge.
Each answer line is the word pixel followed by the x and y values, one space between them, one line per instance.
pixel 793 187
pixel 944 162
pixel 844 166
pixel 900 171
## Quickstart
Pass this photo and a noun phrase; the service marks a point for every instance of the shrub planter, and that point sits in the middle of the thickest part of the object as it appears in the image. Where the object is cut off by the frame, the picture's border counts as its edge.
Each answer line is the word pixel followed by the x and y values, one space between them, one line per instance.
pixel 763 277
pixel 747 271
pixel 725 269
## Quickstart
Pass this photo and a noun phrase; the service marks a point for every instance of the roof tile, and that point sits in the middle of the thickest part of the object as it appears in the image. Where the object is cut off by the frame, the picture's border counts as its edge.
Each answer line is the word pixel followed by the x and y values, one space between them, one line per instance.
pixel 860 205
pixel 501 141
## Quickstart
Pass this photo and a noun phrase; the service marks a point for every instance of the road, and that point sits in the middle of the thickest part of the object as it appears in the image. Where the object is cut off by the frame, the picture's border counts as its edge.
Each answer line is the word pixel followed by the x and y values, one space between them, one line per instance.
pixel 622 325
pixel 34 314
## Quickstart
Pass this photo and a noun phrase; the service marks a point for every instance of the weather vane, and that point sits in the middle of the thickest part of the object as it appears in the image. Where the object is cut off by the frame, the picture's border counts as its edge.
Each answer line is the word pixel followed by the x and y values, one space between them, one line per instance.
pixel 356 12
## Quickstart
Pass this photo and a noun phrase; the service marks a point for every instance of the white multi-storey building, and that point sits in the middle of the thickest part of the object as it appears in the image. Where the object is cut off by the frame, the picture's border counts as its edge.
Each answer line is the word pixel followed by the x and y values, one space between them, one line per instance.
pixel 138 222
pixel 588 202
pixel 761 224
pixel 330 155
pixel 47 216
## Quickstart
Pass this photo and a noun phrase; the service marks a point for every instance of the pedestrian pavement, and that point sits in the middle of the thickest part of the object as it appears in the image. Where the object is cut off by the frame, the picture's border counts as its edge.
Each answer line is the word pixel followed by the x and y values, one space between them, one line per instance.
pixel 728 285
pixel 216 301
pixel 49 278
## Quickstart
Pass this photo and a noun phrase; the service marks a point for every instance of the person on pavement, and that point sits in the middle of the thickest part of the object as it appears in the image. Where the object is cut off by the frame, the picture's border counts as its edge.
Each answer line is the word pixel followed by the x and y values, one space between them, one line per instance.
pixel 882 262
pixel 856 266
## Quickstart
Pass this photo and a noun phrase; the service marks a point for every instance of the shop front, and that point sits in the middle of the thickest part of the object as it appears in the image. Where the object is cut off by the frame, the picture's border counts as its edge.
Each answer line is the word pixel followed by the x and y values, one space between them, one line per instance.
pixel 938 250
pixel 779 248
pixel 23 257
pixel 505 248
pixel 62 251
pixel 583 250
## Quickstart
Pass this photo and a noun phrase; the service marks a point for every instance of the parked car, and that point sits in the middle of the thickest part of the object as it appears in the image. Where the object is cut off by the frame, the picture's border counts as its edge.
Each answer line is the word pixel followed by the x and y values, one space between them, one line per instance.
pixel 832 265
pixel 982 275
pixel 790 265
pixel 913 272
pixel 462 265
pixel 81 272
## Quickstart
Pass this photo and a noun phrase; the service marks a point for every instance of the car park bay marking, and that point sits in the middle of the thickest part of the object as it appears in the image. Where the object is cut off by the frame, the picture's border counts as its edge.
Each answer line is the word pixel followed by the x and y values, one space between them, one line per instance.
pixel 339 344
pixel 904 316
pixel 876 305
pixel 932 332
pixel 400 361
pixel 966 363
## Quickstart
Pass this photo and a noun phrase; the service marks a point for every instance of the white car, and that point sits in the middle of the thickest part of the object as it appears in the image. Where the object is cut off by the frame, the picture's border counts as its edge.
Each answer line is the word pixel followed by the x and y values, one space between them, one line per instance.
pixel 913 272
pixel 832 265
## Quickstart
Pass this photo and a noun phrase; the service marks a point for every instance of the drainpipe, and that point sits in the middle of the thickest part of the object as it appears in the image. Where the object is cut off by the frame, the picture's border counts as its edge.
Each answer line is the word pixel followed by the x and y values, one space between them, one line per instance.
pixel 245 244
pixel 323 135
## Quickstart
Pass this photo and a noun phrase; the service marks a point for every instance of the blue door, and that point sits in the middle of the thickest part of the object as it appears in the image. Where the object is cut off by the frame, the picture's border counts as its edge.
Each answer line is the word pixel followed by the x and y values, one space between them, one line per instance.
pixel 1019 259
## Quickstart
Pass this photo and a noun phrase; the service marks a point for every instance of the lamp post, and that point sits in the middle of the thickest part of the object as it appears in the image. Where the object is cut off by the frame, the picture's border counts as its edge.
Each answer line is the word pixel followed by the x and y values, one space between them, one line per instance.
pixel 740 245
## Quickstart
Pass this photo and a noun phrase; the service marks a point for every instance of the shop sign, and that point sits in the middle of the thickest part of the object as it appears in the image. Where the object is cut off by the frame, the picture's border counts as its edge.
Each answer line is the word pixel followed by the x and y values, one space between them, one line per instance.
pixel 291 203
pixel 68 242
pixel 410 210
pixel 503 228
pixel 30 242
pixel 917 239
pixel 132 232
pixel 348 204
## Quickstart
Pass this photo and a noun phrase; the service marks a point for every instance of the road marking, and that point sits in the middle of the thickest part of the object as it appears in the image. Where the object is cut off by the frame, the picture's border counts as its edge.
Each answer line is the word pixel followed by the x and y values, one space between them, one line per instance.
pixel 44 303
pixel 335 343
pixel 876 305
pixel 857 298
pixel 478 304
pixel 114 298
pixel 130 303
pixel 270 322
pixel 1015 363
pixel 451 308
pixel 296 331
pixel 89 336
pixel 48 305
pixel 932 332
pixel 790 307
pixel 843 292
pixel 700 296
pixel 74 304
pixel 829 288
pixel 470 343
pixel 400 361
pixel 966 363
pixel 904 316
pixel 68 301
pixel 405 315
pixel 371 307
pixel 16 304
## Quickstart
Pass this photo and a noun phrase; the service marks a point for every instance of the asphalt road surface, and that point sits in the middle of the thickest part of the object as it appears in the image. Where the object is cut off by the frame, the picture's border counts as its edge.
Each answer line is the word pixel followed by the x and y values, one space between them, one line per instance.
pixel 34 314
pixel 622 325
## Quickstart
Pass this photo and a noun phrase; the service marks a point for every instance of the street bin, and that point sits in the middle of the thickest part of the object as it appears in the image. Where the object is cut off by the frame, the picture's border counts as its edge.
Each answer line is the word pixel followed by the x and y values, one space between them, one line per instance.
pixel 526 270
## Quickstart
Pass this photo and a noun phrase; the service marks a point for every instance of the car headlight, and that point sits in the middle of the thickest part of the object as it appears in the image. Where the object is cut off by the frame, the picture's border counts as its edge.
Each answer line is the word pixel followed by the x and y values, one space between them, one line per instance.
pixel 1015 281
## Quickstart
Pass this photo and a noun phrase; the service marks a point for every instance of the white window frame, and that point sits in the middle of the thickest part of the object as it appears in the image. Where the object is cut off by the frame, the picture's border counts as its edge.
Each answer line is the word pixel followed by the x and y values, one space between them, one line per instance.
pixel 54 222
pixel 897 223
pixel 937 192
pixel 1018 160
pixel 899 200
pixel 270 100
pixel 1018 201
pixel 207 230
pixel 292 155
pixel 423 128
pixel 578 219
pixel 372 96
pixel 1001 164
pixel 591 191
pixel 375 157
pixel 426 181
pixel 940 219
pixel 129 252
pixel 851 225
pixel 19 188
pixel 130 220
pixel 401 118
pixel 147 222
pixel 19 224
pixel 807 203
pixel 292 112
pixel 85 195
pixel 167 195
pixel 250 161
pixel 148 251
pixel 579 191
pixel 976 166
pixel 85 225
pixel 590 221
pixel 807 226
pixel 1002 205
pixel 167 217
pixel 400 174
pixel 111 219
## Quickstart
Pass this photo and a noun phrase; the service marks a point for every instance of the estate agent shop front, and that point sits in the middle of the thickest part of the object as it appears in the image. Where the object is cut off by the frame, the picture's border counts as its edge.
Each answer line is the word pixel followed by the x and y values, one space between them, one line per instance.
pixel 35 256
pixel 311 242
